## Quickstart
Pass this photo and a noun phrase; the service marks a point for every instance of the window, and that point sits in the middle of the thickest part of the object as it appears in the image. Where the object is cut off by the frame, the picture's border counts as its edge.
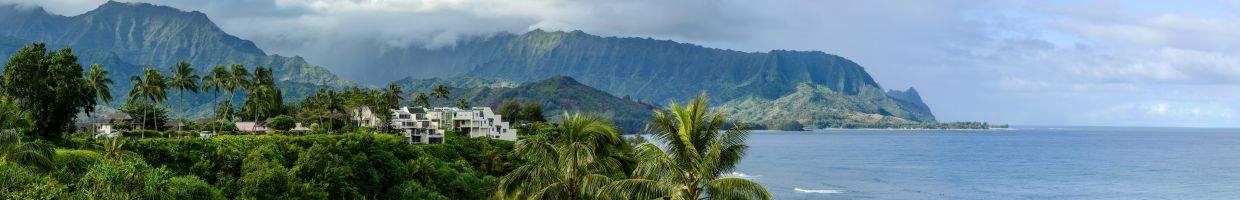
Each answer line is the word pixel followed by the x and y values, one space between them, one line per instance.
pixel 435 140
pixel 417 139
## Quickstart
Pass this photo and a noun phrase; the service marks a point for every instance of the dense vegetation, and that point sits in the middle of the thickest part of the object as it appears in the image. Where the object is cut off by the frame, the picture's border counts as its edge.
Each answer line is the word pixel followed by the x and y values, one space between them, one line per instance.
pixel 578 158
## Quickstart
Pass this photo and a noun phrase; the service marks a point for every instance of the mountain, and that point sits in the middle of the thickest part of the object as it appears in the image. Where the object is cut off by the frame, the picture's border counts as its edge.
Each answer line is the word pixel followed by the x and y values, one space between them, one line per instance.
pixel 557 94
pixel 125 36
pixel 662 71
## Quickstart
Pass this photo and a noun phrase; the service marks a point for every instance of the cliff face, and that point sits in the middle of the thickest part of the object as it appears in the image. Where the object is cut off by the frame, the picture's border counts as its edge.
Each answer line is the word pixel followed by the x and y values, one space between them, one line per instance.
pixel 660 71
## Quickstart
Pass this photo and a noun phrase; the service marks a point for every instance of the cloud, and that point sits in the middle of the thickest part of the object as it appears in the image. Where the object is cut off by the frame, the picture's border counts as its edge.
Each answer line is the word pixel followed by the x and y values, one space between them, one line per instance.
pixel 1176 113
pixel 1032 62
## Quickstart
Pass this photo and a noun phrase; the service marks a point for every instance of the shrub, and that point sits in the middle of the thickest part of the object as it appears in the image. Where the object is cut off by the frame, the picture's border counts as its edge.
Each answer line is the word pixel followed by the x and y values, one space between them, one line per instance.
pixel 282 122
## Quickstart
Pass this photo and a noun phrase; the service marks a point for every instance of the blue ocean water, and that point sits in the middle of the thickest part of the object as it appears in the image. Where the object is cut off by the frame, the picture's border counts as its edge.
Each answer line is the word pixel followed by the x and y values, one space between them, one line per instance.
pixel 1024 163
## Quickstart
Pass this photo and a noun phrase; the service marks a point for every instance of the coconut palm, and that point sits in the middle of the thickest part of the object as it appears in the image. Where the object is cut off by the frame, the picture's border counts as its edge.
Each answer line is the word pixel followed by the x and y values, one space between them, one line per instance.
pixel 440 92
pixel 567 164
pixel 216 80
pixel 148 88
pixel 99 81
pixel 35 155
pixel 183 79
pixel 697 154
pixel 239 80
pixel 260 99
pixel 392 94
pixel 461 103
pixel 422 100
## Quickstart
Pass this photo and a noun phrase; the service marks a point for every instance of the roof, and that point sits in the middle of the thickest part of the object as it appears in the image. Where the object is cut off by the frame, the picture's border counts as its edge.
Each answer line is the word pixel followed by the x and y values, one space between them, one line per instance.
pixel 248 126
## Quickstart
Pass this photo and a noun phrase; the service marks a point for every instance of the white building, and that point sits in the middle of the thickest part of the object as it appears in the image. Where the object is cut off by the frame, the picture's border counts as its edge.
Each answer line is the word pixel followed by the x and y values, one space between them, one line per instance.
pixel 364 117
pixel 420 125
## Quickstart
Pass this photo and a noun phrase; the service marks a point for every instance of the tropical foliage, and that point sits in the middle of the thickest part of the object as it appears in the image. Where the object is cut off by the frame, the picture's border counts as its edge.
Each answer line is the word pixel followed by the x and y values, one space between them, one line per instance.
pixel 571 163
pixel 698 152
pixel 50 87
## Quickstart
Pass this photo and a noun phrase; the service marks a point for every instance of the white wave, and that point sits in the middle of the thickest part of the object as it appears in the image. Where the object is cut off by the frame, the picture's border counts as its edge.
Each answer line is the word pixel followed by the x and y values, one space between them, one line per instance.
pixel 818 191
pixel 741 175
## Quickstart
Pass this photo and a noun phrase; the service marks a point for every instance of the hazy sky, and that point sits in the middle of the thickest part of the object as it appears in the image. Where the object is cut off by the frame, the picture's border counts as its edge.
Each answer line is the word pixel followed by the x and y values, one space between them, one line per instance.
pixel 1125 63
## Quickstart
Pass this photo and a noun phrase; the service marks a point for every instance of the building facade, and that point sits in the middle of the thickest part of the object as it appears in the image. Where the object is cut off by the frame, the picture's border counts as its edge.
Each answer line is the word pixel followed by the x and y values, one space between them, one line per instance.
pixel 427 126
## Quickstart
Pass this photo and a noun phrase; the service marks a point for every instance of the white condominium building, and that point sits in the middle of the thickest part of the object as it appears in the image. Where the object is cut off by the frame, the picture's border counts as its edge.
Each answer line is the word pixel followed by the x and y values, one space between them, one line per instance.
pixel 427 126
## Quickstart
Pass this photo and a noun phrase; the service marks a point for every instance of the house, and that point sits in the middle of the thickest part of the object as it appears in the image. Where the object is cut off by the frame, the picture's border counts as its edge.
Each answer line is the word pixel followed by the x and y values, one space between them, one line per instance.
pixel 364 117
pixel 251 127
pixel 427 126
pixel 297 127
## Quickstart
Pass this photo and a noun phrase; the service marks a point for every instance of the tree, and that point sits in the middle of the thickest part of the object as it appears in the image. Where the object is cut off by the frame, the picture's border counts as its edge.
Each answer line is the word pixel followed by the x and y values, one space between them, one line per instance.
pixel 461 103
pixel 440 92
pixel 51 87
pixel 392 95
pixel 282 122
pixel 219 78
pixel 260 100
pixel 422 100
pixel 568 163
pixel 532 112
pixel 697 154
pixel 99 81
pixel 239 79
pixel 34 155
pixel 150 87
pixel 183 79
pixel 509 110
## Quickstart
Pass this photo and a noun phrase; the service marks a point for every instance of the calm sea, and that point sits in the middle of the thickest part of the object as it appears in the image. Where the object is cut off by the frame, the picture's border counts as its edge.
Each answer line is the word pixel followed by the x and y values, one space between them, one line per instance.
pixel 1024 163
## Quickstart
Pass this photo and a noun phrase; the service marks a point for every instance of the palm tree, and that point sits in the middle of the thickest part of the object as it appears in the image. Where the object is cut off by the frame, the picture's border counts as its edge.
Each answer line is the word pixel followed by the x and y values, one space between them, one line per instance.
pixel 566 164
pixel 239 80
pixel 422 100
pixel 392 95
pixel 461 103
pixel 148 88
pixel 183 79
pixel 261 99
pixel 219 78
pixel 697 154
pixel 440 92
pixel 99 81
pixel 36 155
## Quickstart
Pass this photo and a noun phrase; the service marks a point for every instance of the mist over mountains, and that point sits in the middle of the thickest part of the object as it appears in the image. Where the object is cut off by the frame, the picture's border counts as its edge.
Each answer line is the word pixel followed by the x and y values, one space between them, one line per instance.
pixel 819 89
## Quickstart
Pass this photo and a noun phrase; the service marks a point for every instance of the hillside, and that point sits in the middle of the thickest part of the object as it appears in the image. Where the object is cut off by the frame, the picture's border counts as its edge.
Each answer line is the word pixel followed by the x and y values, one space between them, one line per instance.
pixel 660 71
pixel 125 36
pixel 557 95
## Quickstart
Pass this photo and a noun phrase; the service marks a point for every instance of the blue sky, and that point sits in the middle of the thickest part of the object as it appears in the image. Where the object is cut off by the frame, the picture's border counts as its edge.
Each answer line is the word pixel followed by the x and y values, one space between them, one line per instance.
pixel 1111 63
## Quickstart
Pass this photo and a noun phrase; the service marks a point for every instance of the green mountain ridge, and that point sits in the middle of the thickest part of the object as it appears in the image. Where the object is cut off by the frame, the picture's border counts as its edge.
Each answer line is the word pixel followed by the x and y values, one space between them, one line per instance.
pixel 662 71
pixel 124 37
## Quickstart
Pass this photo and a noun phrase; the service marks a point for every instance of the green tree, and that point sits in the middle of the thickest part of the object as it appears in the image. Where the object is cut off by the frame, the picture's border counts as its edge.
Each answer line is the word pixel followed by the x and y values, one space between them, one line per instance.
pixel 150 88
pixel 532 112
pixel 569 163
pixel 260 101
pixel 98 80
pixel 461 103
pixel 392 95
pixel 51 87
pixel 282 122
pixel 440 92
pixel 697 154
pixel 239 79
pixel 422 100
pixel 183 79
pixel 34 155
pixel 218 79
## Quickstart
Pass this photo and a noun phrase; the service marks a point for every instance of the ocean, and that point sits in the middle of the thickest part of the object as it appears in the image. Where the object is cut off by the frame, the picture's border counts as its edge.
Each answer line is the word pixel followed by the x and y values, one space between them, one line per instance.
pixel 1022 163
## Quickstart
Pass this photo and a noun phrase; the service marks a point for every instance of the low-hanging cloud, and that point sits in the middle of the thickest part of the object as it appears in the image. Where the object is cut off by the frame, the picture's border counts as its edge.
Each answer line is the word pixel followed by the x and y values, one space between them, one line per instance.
pixel 972 60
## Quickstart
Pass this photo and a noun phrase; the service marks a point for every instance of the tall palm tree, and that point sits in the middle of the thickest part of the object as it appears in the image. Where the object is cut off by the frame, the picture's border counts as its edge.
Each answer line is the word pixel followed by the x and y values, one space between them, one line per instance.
pixel 567 164
pixel 218 79
pixel 99 81
pixel 422 100
pixel 461 103
pixel 392 95
pixel 148 88
pixel 697 154
pixel 239 80
pixel 261 99
pixel 183 79
pixel 440 92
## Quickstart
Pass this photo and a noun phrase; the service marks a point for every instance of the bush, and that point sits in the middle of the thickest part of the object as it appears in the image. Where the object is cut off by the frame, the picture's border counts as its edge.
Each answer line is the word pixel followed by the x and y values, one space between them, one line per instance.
pixel 282 122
